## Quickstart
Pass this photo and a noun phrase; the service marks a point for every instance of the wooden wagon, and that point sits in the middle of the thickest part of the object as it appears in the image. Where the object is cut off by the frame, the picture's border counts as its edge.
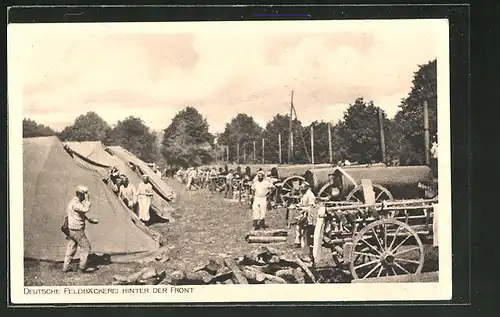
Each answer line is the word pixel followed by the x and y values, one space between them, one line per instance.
pixel 375 239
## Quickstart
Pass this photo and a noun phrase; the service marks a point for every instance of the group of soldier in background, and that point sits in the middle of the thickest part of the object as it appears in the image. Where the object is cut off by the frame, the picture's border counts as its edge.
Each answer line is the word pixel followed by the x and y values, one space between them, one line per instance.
pixel 259 190
pixel 138 199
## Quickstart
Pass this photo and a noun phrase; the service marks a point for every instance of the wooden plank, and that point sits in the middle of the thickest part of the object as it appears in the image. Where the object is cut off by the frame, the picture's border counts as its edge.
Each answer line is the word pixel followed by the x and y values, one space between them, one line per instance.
pixel 305 268
pixel 265 239
pixel 273 232
pixel 238 275
pixel 368 193
pixel 408 278
pixel 318 234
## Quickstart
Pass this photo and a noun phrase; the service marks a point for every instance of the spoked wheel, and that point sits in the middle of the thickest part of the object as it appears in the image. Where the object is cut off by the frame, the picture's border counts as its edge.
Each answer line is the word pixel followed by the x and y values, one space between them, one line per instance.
pixel 381 194
pixel 220 184
pixel 386 247
pixel 328 192
pixel 290 191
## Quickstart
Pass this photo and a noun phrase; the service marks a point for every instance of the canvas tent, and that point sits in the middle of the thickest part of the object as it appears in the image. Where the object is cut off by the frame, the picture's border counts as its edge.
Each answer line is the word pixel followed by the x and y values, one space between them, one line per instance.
pixel 93 155
pixel 50 178
pixel 159 185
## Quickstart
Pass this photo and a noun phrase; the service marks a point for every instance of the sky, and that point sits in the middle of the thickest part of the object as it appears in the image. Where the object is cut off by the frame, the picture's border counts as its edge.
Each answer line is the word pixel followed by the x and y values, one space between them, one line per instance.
pixel 152 72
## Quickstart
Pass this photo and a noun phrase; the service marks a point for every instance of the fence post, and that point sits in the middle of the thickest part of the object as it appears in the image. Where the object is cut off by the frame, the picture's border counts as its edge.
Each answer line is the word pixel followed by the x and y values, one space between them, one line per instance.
pixel 263 152
pixel 312 144
pixel 279 144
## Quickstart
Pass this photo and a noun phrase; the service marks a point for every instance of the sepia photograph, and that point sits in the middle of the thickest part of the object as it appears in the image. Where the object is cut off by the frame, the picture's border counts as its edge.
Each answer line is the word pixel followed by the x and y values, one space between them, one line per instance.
pixel 229 161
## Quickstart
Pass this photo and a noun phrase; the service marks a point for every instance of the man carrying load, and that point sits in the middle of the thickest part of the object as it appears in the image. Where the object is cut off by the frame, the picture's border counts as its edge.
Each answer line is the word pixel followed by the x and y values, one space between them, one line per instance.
pixel 77 211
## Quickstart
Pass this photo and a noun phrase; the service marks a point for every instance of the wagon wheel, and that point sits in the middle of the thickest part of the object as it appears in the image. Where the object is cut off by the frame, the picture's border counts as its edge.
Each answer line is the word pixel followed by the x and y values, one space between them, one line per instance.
pixel 386 247
pixel 381 194
pixel 290 192
pixel 220 183
pixel 328 192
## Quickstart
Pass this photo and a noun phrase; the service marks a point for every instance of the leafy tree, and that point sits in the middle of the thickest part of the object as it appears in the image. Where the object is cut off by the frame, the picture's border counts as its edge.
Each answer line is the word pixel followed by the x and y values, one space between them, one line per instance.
pixel 339 144
pixel 88 127
pixel 409 119
pixel 187 141
pixel 361 132
pixel 280 124
pixel 133 135
pixel 321 150
pixel 33 129
pixel 242 130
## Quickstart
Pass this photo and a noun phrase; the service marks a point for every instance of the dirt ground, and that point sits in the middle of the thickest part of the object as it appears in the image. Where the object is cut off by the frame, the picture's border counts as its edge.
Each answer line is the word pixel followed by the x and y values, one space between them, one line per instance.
pixel 206 226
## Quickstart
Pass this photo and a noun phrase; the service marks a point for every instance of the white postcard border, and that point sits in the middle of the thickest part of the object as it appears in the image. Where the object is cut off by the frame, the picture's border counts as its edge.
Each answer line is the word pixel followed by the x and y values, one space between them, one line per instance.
pixel 227 293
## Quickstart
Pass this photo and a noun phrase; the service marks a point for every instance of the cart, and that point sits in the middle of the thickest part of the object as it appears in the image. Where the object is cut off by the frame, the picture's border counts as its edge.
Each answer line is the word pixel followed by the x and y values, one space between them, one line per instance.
pixel 377 239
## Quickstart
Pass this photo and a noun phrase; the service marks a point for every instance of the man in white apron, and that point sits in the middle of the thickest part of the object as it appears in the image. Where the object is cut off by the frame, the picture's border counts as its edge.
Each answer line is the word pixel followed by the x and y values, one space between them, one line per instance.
pixel 260 190
pixel 144 197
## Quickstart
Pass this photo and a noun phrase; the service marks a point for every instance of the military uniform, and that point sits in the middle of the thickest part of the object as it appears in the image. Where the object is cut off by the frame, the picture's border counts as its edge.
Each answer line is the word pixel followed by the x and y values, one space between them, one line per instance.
pixel 308 217
pixel 77 216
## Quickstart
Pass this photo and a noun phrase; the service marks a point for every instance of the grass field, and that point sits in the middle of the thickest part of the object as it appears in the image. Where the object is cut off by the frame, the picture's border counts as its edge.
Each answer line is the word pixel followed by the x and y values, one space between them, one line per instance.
pixel 206 226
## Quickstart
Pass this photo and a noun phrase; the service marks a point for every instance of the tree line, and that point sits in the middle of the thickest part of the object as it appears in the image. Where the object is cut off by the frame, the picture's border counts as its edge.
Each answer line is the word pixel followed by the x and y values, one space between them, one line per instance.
pixel 188 142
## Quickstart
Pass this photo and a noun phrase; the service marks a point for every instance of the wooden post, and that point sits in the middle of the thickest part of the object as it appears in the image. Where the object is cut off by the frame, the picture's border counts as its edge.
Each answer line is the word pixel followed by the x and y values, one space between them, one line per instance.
pixel 263 153
pixel 290 135
pixel 330 150
pixel 227 154
pixel 312 145
pixel 368 193
pixel 238 152
pixel 244 153
pixel 279 144
pixel 426 133
pixel 254 152
pixel 382 135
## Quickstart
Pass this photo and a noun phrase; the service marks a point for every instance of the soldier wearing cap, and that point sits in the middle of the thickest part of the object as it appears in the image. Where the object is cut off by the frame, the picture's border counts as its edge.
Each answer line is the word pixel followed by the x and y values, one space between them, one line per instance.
pixel 114 174
pixel 260 190
pixel 77 211
pixel 307 202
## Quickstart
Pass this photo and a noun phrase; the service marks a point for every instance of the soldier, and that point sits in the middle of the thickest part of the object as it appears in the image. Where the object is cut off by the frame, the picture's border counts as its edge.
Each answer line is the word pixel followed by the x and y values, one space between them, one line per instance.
pixel 212 179
pixel 128 193
pixel 113 176
pixel 158 172
pixel 178 174
pixel 260 189
pixel 229 184
pixel 77 211
pixel 144 197
pixel 192 178
pixel 307 202
pixel 434 156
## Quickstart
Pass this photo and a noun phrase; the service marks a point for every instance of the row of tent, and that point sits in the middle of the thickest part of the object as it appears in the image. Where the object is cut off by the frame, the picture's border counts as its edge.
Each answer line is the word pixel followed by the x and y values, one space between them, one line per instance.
pixel 52 171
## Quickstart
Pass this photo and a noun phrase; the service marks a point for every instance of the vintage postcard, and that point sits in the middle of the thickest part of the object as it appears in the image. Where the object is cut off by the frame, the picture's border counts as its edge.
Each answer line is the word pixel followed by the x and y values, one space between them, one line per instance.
pixel 229 161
